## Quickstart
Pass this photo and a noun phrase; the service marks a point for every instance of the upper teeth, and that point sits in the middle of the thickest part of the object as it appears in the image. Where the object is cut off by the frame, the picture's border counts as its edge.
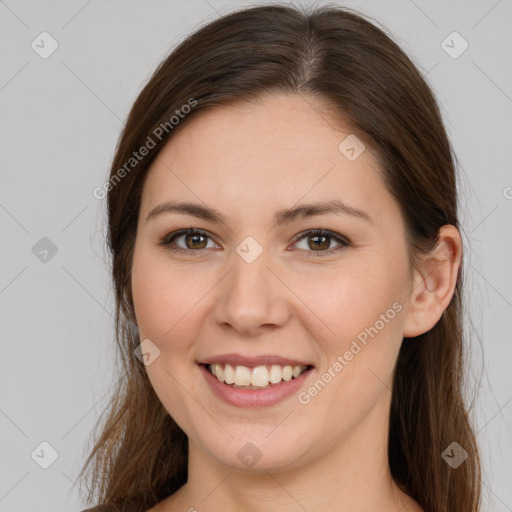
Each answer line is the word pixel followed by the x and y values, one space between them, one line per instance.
pixel 259 376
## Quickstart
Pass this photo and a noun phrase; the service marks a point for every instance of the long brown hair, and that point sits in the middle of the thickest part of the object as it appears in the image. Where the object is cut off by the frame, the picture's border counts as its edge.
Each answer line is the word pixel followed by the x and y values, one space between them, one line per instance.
pixel 356 70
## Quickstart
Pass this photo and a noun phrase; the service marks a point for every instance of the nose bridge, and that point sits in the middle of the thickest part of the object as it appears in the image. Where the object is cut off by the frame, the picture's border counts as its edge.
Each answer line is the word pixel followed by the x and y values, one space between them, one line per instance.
pixel 251 295
pixel 252 273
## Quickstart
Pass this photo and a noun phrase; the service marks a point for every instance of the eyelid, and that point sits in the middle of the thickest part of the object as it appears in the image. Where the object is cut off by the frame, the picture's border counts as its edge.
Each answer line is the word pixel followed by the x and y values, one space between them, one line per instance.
pixel 168 239
pixel 340 239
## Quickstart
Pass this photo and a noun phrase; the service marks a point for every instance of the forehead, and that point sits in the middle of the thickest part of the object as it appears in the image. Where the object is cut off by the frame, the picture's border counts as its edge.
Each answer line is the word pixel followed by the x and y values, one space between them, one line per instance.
pixel 269 153
pixel 267 130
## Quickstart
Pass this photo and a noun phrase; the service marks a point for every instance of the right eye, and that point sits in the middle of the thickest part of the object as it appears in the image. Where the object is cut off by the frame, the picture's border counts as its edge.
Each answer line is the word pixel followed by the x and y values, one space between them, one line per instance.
pixel 194 240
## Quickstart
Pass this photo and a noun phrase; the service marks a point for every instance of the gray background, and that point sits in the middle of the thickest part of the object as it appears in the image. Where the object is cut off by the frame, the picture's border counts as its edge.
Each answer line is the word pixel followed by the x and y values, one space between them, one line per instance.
pixel 60 119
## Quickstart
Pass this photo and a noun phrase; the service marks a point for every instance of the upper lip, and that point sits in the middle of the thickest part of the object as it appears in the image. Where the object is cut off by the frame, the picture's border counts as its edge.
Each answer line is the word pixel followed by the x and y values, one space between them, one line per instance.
pixel 263 360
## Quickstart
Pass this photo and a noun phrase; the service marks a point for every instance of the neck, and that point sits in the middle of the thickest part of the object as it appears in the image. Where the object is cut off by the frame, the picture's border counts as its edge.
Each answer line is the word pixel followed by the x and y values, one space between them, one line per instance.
pixel 352 475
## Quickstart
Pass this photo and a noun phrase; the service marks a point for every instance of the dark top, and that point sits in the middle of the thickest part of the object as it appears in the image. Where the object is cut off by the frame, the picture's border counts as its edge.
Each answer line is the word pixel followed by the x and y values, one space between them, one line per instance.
pixel 111 508
pixel 101 508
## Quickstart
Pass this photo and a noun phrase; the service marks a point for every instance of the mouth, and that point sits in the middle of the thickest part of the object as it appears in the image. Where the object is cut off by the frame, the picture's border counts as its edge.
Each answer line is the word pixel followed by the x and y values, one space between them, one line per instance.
pixel 255 377
pixel 255 381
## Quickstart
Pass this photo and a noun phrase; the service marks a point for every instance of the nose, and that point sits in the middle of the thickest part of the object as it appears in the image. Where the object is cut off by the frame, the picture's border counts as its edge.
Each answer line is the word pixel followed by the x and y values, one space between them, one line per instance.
pixel 252 298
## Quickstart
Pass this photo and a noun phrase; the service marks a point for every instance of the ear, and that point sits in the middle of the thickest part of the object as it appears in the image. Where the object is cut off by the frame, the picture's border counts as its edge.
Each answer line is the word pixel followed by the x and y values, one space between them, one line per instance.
pixel 434 283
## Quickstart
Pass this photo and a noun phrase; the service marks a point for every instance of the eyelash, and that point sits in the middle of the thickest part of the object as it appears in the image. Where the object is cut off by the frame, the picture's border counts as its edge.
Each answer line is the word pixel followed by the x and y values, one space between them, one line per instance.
pixel 344 242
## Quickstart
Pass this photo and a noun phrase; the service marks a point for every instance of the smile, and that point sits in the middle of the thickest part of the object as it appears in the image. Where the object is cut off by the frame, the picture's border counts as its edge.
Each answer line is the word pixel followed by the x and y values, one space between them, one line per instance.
pixel 259 377
pixel 257 388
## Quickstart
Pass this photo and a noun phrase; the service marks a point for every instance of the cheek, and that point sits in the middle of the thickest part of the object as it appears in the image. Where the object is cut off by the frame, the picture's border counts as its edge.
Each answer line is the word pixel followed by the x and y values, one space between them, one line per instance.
pixel 361 308
pixel 363 294
pixel 164 300
pixel 163 296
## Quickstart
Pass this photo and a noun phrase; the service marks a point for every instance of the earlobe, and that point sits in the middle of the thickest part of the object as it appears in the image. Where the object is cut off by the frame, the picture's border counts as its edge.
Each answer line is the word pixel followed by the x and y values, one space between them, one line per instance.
pixel 434 283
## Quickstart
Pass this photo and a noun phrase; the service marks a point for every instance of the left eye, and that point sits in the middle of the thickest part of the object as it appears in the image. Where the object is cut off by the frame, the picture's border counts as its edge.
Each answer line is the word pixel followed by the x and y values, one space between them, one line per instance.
pixel 321 239
pixel 196 240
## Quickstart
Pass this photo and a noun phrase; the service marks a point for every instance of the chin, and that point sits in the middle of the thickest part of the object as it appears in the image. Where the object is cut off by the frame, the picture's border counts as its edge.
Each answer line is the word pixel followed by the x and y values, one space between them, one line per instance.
pixel 259 449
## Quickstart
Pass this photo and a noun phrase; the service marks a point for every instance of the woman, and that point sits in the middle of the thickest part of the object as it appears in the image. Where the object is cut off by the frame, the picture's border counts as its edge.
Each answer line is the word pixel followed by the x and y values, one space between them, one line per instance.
pixel 288 273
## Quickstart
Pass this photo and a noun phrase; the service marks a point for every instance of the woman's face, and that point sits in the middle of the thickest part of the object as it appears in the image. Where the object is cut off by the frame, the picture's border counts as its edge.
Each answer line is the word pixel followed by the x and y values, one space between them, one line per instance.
pixel 257 289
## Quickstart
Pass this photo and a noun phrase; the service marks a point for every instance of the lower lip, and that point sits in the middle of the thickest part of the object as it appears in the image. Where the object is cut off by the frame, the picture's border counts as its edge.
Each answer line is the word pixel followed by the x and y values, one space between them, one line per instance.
pixel 254 397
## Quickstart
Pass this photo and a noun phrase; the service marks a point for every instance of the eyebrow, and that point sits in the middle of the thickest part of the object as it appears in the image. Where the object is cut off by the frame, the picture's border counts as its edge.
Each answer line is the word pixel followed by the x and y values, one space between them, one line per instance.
pixel 335 206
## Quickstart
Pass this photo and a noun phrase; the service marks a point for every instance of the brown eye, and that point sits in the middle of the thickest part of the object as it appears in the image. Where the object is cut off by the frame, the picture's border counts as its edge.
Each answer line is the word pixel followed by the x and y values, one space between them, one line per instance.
pixel 193 241
pixel 319 241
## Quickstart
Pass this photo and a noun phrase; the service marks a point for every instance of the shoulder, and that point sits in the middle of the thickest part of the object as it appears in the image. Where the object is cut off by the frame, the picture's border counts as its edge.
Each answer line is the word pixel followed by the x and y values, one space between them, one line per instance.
pixel 101 508
pixel 128 506
pixel 111 508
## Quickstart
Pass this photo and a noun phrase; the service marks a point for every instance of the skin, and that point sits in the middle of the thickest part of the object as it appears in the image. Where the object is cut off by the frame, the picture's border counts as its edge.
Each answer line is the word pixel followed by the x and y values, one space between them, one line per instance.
pixel 248 161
